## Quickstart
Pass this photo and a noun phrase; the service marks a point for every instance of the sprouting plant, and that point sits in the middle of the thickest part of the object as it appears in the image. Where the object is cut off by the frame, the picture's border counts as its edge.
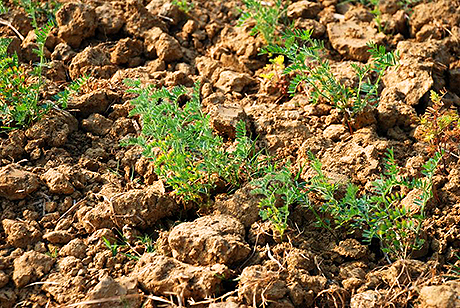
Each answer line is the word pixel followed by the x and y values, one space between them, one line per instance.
pixel 392 213
pixel 3 8
pixel 53 251
pixel 112 247
pixel 63 97
pixel 266 16
pixel 440 127
pixel 274 74
pixel 39 11
pixel 188 156
pixel 20 93
pixel 42 35
pixel 183 5
pixel 148 243
pixel 314 71
pixel 281 190
pixel 453 269
pixel 121 245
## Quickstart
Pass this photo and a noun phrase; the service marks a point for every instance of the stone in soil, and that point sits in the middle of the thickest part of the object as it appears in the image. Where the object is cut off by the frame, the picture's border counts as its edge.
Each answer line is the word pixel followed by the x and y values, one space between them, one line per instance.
pixel 242 205
pixel 124 288
pixel 256 281
pixel 350 38
pixel 441 296
pixel 97 124
pixel 163 275
pixel 76 21
pixel 230 81
pixel 16 183
pixel 52 130
pixel 420 64
pixel 31 266
pixel 141 207
pixel 93 61
pixel 57 182
pixel 225 117
pixel 209 240
pixel 162 45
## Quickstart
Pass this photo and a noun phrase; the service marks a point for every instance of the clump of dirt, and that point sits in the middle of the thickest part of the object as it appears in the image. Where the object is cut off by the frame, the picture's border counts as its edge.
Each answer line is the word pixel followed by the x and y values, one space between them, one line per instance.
pixel 86 221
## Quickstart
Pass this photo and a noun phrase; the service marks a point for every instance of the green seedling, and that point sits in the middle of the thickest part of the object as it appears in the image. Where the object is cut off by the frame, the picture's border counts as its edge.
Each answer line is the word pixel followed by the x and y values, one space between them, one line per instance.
pixel 39 11
pixel 20 91
pixel 19 95
pixel 53 252
pixel 314 72
pixel 388 213
pixel 3 8
pixel 393 212
pixel 148 243
pixel 183 5
pixel 63 97
pixel 188 156
pixel 280 191
pixel 266 17
pixel 112 247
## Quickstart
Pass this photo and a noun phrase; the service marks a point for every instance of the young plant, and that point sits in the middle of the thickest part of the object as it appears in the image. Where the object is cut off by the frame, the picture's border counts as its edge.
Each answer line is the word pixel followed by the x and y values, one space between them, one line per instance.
pixel 394 211
pixel 314 71
pixel 147 243
pixel 280 191
pixel 19 95
pixel 3 8
pixel 112 247
pixel 274 75
pixel 188 156
pixel 39 11
pixel 183 5
pixel 63 97
pixel 266 17
pixel 440 127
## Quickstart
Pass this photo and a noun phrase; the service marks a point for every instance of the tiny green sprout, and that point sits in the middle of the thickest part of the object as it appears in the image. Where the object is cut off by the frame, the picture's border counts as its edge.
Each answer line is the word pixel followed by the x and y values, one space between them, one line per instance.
pixel 183 5
pixel 112 247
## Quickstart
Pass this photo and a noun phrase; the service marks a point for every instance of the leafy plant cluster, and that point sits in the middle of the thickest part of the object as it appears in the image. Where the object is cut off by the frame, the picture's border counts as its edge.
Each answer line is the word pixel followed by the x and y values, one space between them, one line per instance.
pixel 280 191
pixel 266 17
pixel 145 241
pixel 392 212
pixel 188 156
pixel 183 5
pixel 19 92
pixel 311 69
pixel 440 127
pixel 38 11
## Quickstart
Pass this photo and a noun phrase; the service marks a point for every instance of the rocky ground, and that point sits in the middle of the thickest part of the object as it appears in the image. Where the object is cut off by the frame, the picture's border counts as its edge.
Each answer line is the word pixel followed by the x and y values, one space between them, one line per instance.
pixel 66 184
